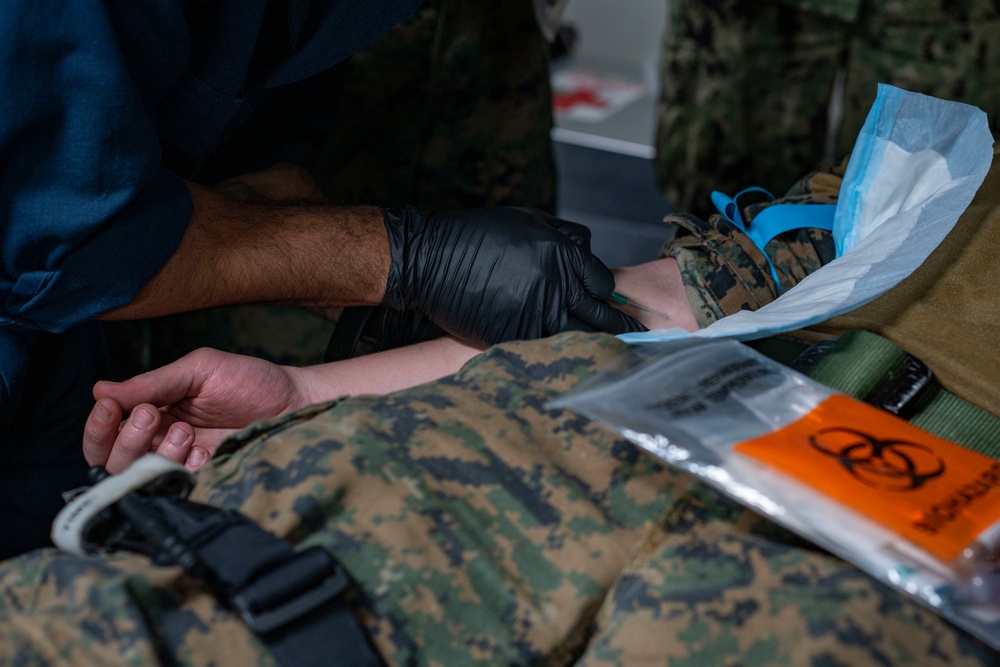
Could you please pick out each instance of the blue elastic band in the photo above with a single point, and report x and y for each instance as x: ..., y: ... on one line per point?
x: 774, y: 220
x: 730, y: 209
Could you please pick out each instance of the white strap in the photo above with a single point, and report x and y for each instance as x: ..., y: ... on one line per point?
x: 70, y: 522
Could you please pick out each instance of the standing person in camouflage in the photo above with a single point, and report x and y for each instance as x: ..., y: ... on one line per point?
x: 754, y: 92
x: 450, y: 109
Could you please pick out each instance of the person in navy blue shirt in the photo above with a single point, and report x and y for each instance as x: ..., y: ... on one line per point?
x: 116, y: 117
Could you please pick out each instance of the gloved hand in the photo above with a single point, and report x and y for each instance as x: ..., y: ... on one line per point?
x: 496, y: 274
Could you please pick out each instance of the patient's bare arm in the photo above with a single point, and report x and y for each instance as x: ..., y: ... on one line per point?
x: 658, y: 285
x: 185, y: 409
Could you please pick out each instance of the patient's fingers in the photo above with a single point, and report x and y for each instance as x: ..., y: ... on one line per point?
x: 114, y: 444
x: 162, y: 386
x: 196, y: 458
x: 134, y: 439
x: 100, y: 431
x: 177, y: 442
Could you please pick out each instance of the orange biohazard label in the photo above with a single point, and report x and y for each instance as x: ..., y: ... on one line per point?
x: 937, y: 494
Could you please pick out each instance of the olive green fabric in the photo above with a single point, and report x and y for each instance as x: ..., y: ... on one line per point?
x: 875, y: 370
x: 947, y: 313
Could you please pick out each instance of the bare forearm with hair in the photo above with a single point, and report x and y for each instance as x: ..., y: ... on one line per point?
x: 237, y: 251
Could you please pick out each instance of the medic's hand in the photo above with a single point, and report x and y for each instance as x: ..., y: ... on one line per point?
x: 496, y: 274
x: 185, y: 409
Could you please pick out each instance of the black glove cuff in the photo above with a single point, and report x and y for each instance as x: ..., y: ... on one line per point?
x: 400, y: 224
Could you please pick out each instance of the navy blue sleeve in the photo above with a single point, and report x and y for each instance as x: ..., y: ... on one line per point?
x: 87, y: 214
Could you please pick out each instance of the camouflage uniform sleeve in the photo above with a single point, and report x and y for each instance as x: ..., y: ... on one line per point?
x: 724, y: 272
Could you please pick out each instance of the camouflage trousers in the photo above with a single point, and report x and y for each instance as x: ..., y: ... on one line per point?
x: 757, y: 92
x: 483, y: 529
x: 450, y: 109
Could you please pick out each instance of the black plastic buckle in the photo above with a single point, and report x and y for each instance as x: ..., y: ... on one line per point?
x: 900, y: 395
x: 296, y: 587
x: 103, y: 517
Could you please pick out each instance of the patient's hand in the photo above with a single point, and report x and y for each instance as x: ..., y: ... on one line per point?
x: 185, y: 409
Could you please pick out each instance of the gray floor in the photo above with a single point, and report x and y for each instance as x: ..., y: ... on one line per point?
x: 616, y: 196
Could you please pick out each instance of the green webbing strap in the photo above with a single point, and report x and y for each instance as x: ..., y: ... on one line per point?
x: 863, y: 364
x: 859, y: 364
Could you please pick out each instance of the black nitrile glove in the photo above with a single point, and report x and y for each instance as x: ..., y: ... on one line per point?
x: 495, y: 274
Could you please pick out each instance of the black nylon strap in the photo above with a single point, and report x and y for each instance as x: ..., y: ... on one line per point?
x: 291, y: 600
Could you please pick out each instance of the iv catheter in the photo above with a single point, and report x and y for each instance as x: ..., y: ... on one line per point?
x: 619, y: 298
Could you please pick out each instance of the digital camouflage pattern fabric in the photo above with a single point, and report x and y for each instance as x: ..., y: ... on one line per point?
x: 717, y: 584
x: 724, y: 271
x: 483, y: 529
x: 451, y: 109
x: 758, y: 92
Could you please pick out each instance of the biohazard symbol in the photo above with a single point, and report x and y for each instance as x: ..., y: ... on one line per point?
x: 892, y: 465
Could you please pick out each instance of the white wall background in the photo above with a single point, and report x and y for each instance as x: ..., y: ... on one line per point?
x: 622, y: 32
